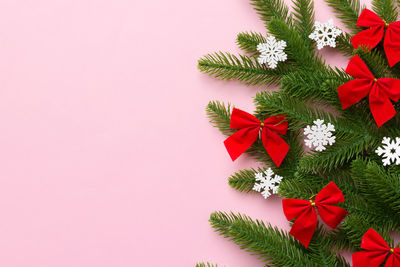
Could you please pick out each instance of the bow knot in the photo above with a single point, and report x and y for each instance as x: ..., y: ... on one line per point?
x: 375, y: 252
x: 371, y: 37
x: 249, y: 126
x: 306, y: 215
x: 380, y: 91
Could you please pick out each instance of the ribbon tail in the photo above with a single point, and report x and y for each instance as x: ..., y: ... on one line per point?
x: 240, y: 141
x: 304, y: 227
x: 368, y: 38
x: 392, y: 43
x: 275, y: 146
x: 381, y: 107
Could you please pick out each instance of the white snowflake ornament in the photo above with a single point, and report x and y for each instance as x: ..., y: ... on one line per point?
x: 390, y: 151
x: 325, y: 34
x: 319, y: 135
x: 271, y: 52
x: 267, y: 183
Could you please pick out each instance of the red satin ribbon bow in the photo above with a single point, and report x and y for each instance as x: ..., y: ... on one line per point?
x: 380, y: 91
x: 372, y: 36
x: 249, y: 128
x: 304, y: 210
x: 376, y: 251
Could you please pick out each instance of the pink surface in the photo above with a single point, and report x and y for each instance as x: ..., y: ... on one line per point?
x: 107, y: 157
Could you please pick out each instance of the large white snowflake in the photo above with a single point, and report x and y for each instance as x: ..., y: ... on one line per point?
x: 325, y: 34
x: 267, y: 183
x: 390, y: 151
x: 319, y: 135
x: 271, y: 52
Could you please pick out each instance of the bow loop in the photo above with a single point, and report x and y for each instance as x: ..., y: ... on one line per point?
x: 376, y: 250
x: 380, y: 91
x: 372, y: 36
x: 305, y: 211
x: 248, y: 130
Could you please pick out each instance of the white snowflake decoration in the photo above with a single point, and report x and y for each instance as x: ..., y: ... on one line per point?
x: 325, y: 34
x: 390, y: 151
x: 267, y: 183
x: 271, y: 52
x: 319, y: 135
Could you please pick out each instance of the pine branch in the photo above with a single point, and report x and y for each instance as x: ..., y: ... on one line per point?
x: 226, y: 66
x: 386, y: 9
x: 248, y: 42
x: 303, y: 13
x: 348, y: 11
x: 268, y: 9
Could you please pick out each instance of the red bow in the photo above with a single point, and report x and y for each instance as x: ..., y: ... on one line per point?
x: 376, y: 251
x: 304, y: 210
x: 372, y: 36
x: 249, y: 128
x: 380, y: 91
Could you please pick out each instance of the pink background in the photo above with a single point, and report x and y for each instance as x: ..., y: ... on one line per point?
x: 107, y: 157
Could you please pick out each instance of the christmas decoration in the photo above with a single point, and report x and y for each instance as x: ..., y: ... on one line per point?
x: 319, y: 135
x: 371, y: 37
x: 325, y: 34
x: 267, y: 183
x: 375, y: 252
x: 249, y: 128
x: 380, y: 91
x: 306, y: 216
x: 361, y: 103
x: 271, y: 52
x: 390, y: 151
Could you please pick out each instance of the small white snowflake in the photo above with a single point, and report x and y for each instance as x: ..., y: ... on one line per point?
x: 267, y: 183
x: 390, y: 151
x: 271, y: 52
x: 319, y: 135
x: 325, y: 34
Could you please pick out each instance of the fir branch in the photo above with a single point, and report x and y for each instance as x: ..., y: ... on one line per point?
x: 348, y: 11
x: 343, y: 44
x: 248, y: 42
x: 268, y: 9
x: 243, y: 181
x: 207, y: 264
x: 220, y: 116
x: 303, y: 13
x: 341, y: 153
x: 296, y: 49
x: 269, y: 243
x: 226, y: 66
x: 386, y: 9
x: 314, y: 86
x: 380, y: 188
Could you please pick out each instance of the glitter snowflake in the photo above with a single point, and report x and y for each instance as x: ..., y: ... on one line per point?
x: 319, y: 135
x: 325, y: 34
x: 271, y: 52
x: 390, y: 151
x: 267, y: 183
